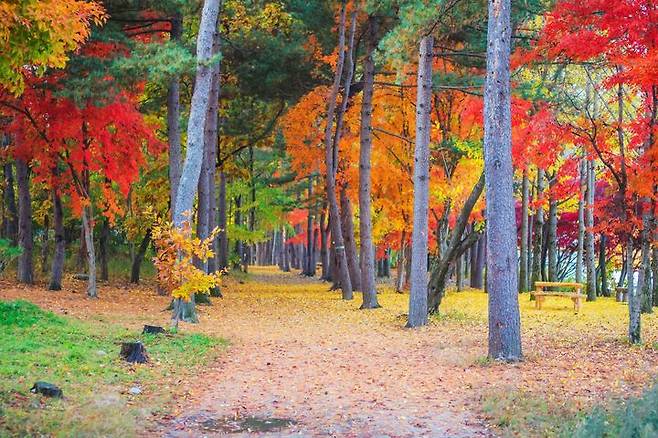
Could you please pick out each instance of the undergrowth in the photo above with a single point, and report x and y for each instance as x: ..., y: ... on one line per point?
x: 82, y: 358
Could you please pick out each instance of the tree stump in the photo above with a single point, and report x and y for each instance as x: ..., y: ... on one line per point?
x: 134, y: 352
x: 47, y: 389
x: 153, y: 330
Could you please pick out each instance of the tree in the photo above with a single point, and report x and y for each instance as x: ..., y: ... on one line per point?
x: 195, y: 131
x: 504, y: 318
x: 418, y: 291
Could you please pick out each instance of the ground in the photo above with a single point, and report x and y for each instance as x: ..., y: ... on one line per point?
x: 298, y: 352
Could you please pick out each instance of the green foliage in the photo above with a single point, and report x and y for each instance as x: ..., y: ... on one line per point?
x: 8, y: 252
x: 634, y: 418
x: 83, y: 359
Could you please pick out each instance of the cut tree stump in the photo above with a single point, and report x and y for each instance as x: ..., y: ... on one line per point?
x: 134, y: 352
x: 153, y: 330
x: 47, y: 389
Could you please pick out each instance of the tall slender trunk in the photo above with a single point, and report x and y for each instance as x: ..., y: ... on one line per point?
x: 523, y: 262
x: 580, y: 251
x: 25, y: 235
x: 347, y: 224
x: 195, y: 130
x: 401, y: 276
x: 654, y: 274
x: 324, y: 253
x: 367, y: 249
x: 502, y: 282
x: 537, y: 244
x: 477, y: 270
x: 239, y: 249
x: 139, y: 258
x: 605, y: 290
x: 459, y: 273
x: 418, y: 298
x: 222, y: 237
x: 88, y: 229
x: 10, y: 218
x: 590, y: 249
x: 634, y: 298
x: 60, y: 244
x: 173, y: 119
x: 308, y: 268
x: 103, y: 249
x: 551, y: 242
x: 329, y: 144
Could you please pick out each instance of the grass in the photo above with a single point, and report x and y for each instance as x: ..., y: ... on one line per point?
x: 82, y: 358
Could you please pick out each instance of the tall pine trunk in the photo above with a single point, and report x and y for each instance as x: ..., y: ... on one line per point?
x: 502, y: 287
x: 580, y: 251
x: 419, y: 287
x: 60, y: 244
x: 367, y: 249
x: 104, y: 241
x: 538, y: 230
x: 88, y: 230
x: 523, y: 262
x: 634, y: 298
x: 222, y: 236
x: 551, y: 242
x: 25, y: 234
x: 173, y: 119
x: 195, y: 130
x: 338, y: 244
x: 347, y: 224
x: 590, y: 250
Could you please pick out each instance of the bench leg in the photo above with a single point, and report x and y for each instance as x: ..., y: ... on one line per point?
x: 576, y: 304
x: 538, y: 302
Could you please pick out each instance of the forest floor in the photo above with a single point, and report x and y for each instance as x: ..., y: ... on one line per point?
x: 299, y: 354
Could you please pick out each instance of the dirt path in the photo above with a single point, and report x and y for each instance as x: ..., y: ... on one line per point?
x: 298, y: 352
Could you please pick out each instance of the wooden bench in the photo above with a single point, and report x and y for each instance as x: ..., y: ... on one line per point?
x: 541, y: 293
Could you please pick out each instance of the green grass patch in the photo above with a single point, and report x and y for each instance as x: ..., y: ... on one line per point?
x: 519, y: 414
x: 82, y: 358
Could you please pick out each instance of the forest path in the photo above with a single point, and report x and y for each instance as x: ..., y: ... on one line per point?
x: 299, y: 352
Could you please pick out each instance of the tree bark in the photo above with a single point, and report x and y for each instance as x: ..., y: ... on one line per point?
x: 309, y: 269
x: 45, y: 250
x: 173, y: 120
x: 401, y: 263
x: 367, y: 249
x: 88, y: 229
x: 537, y: 244
x: 605, y: 290
x: 502, y: 287
x: 590, y: 249
x: 139, y: 258
x: 551, y: 242
x: 347, y: 224
x: 523, y: 262
x: 342, y: 269
x: 25, y: 234
x: 60, y: 244
x: 195, y: 129
x: 418, y: 306
x: 580, y: 252
x: 324, y: 253
x: 634, y: 299
x: 222, y: 236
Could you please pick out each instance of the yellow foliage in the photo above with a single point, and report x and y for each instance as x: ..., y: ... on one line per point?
x: 177, y: 249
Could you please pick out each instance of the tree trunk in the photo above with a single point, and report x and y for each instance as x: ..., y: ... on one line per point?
x: 25, y: 235
x: 239, y: 249
x: 88, y: 229
x: 401, y: 263
x: 309, y: 270
x: 418, y: 307
x: 10, y: 219
x: 367, y: 249
x: 103, y: 249
x: 551, y: 242
x: 523, y: 263
x: 605, y: 290
x: 60, y: 244
x: 173, y: 119
x: 139, y: 258
x: 459, y: 273
x: 477, y: 270
x: 537, y: 244
x: 590, y: 249
x: 324, y: 253
x: 195, y: 130
x: 347, y: 224
x: 342, y: 269
x: 581, y: 221
x: 222, y: 237
x: 634, y: 299
x: 654, y: 274
x: 502, y: 287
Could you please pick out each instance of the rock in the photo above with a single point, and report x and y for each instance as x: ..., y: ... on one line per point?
x: 153, y: 330
x: 134, y: 352
x: 101, y: 353
x: 47, y: 389
x: 135, y: 390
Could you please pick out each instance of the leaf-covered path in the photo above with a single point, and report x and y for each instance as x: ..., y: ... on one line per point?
x: 299, y: 352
